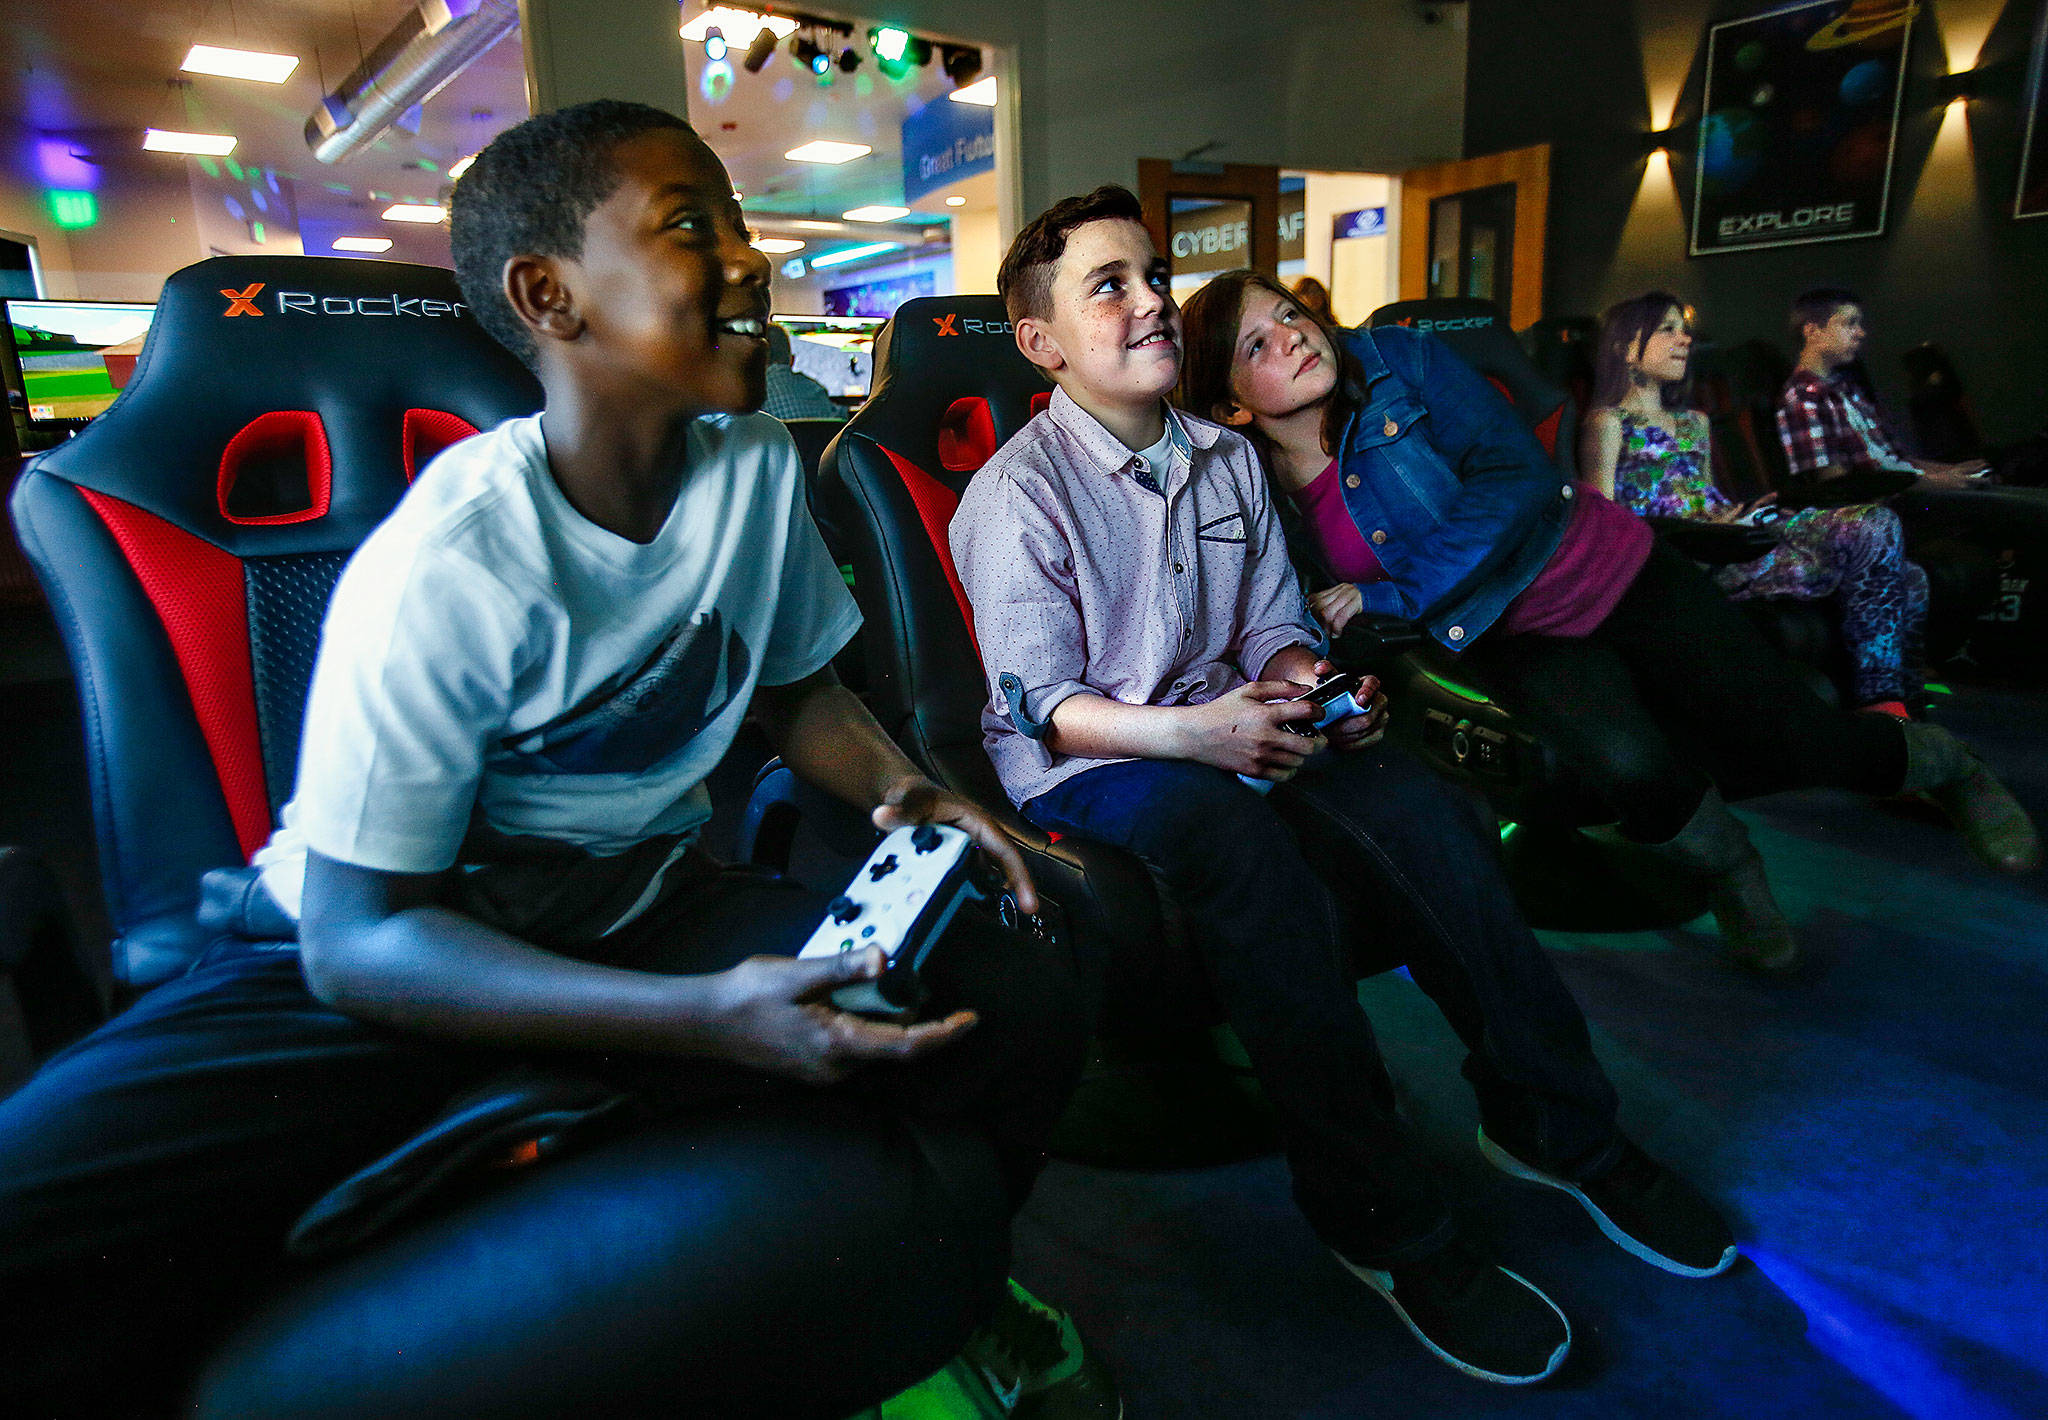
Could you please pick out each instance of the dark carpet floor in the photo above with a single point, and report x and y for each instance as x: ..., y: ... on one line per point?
x: 1877, y: 1132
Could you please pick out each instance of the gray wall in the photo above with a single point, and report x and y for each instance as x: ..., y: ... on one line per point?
x: 1585, y: 75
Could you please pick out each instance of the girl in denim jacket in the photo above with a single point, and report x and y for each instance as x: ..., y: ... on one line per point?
x: 1422, y: 495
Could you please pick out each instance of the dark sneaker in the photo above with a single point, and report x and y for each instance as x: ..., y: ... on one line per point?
x: 1643, y: 1206
x: 1031, y: 1359
x: 1490, y: 1323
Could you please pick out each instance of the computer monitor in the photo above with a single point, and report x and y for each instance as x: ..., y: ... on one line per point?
x: 73, y: 357
x: 836, y: 351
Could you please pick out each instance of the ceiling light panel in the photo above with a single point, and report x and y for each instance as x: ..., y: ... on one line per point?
x: 414, y: 212
x: 861, y: 253
x: 362, y: 244
x: 738, y: 26
x: 981, y: 91
x: 875, y: 214
x: 164, y: 140
x: 823, y: 150
x: 239, y: 64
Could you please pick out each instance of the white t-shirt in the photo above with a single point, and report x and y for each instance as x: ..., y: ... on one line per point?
x: 488, y: 648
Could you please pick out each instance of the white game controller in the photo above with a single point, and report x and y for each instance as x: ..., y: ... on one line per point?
x: 1337, y: 696
x: 901, y: 900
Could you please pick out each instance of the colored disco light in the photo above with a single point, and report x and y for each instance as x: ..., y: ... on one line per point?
x: 889, y: 44
x: 714, y: 44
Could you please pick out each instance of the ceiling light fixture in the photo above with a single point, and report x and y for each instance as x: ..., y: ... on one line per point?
x: 956, y: 202
x: 362, y: 244
x: 776, y: 246
x: 809, y: 226
x: 824, y: 150
x: 163, y: 140
x: 981, y: 91
x: 809, y: 53
x: 239, y: 63
x: 760, y: 51
x: 846, y: 254
x: 414, y: 212
x: 460, y: 166
x: 889, y: 45
x: 714, y: 44
x: 875, y: 212
x: 961, y: 63
x: 737, y: 26
x: 849, y: 60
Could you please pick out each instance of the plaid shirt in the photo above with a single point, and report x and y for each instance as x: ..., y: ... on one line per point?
x: 1823, y: 420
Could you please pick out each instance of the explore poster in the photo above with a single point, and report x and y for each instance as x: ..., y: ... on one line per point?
x: 1800, y: 117
x: 2031, y: 196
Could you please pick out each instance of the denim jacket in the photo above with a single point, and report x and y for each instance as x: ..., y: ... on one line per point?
x: 1448, y: 486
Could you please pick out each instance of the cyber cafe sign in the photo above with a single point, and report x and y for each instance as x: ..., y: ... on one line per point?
x: 1217, y: 237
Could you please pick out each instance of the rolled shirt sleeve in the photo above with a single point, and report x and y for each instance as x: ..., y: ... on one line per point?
x: 1016, y: 565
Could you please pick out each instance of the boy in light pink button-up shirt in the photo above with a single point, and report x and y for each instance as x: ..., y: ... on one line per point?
x: 1140, y: 625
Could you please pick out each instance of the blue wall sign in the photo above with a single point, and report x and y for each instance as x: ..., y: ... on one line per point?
x: 1365, y: 222
x: 944, y: 142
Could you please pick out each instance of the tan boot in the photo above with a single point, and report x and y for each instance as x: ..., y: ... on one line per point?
x: 1715, y: 846
x: 1989, y: 818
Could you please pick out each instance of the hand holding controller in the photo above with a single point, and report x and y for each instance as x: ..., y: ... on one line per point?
x: 1338, y: 699
x: 901, y: 900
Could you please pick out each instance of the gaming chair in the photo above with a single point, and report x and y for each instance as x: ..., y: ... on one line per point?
x: 949, y: 388
x: 188, y: 541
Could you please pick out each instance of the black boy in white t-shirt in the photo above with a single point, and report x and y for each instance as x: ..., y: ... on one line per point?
x: 524, y: 676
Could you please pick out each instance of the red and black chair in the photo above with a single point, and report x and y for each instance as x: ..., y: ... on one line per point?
x: 188, y: 541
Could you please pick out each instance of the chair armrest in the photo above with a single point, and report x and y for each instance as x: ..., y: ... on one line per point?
x: 1866, y: 485
x: 778, y: 802
x: 1370, y: 639
x: 1716, y: 544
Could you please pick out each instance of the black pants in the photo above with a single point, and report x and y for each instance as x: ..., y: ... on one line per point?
x: 1362, y: 856
x: 1673, y: 667
x: 149, y: 1174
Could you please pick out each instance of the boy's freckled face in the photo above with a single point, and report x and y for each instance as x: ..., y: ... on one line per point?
x: 672, y: 295
x: 1113, y: 313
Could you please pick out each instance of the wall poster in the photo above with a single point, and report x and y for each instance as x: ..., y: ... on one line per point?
x: 2030, y: 198
x: 1801, y: 114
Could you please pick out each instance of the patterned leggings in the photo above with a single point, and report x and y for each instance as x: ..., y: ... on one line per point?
x: 1858, y: 556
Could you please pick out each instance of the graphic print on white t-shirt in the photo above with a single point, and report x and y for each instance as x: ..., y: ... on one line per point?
x: 649, y: 714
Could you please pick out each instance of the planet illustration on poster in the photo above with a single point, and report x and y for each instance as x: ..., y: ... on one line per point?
x: 1862, y: 22
x: 1732, y: 145
x: 1859, y: 158
x: 1864, y: 84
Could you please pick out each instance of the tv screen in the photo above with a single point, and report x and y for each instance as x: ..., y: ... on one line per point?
x: 74, y: 356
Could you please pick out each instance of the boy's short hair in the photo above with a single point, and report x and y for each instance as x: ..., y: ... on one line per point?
x: 1818, y: 307
x: 1025, y: 280
x: 530, y: 192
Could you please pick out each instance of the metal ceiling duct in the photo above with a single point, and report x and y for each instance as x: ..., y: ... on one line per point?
x: 426, y: 49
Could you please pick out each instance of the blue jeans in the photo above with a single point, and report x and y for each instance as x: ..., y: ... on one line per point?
x: 1362, y: 855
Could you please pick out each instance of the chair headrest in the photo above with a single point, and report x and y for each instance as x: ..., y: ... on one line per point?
x: 950, y: 385
x: 1479, y: 334
x: 352, y: 372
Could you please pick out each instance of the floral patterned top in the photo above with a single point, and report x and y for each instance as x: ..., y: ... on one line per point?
x: 1662, y: 474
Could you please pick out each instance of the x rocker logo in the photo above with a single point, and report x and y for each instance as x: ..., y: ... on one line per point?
x: 971, y: 327
x: 243, y: 303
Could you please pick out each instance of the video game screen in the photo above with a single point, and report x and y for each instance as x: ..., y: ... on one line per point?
x: 74, y: 356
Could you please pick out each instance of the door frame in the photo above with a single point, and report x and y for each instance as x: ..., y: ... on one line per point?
x: 1529, y: 170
